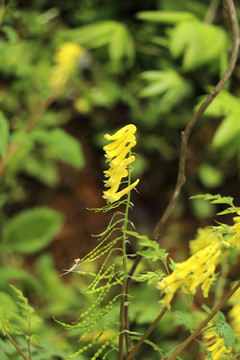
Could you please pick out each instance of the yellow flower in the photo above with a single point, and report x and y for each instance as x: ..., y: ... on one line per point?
x: 65, y: 60
x: 235, y: 240
x: 119, y: 158
x: 197, y: 270
x: 234, y: 313
x: 215, y: 344
x: 204, y: 238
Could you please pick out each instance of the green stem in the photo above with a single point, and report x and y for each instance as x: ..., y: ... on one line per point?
x: 124, y: 301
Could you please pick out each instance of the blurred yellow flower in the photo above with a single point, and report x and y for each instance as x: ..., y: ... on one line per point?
x: 235, y: 240
x: 65, y: 60
x: 82, y: 105
x: 119, y: 158
x: 197, y: 270
x: 234, y: 313
x: 215, y: 344
x: 204, y: 238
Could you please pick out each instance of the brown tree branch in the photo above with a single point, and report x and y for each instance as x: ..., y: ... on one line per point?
x: 204, y: 323
x: 2, y: 8
x: 146, y: 334
x: 16, y: 346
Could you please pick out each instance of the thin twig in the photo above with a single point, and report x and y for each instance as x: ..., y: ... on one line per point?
x: 2, y: 8
x: 16, y: 346
x: 204, y: 322
x: 147, y: 333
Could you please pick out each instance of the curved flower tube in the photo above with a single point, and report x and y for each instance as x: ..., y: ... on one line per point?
x: 118, y: 154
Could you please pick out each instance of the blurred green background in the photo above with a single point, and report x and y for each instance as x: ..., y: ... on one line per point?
x: 147, y: 62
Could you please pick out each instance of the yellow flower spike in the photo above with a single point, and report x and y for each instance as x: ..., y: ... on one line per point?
x: 118, y: 154
x: 65, y: 60
x: 110, y: 154
x: 235, y: 240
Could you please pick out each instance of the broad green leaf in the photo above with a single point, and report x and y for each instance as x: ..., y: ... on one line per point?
x: 111, y: 33
x: 92, y: 36
x: 60, y: 146
x: 200, y: 44
x: 168, y: 84
x: 31, y: 230
x: 121, y: 46
x: 228, y: 132
x: 165, y: 17
x: 4, y: 134
x: 8, y: 274
x: 42, y: 169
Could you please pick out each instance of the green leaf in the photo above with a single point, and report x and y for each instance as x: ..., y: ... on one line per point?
x: 60, y: 146
x: 210, y: 176
x: 165, y: 17
x: 154, y: 252
x: 11, y: 33
x: 5, y: 324
x: 168, y: 84
x: 207, y: 309
x: 182, y: 317
x: 225, y: 331
x: 218, y: 199
x: 4, y: 134
x: 93, y: 35
x: 31, y: 230
x: 149, y: 254
x: 42, y: 169
x: 200, y: 44
x: 111, y: 33
x: 121, y: 45
x: 228, y: 132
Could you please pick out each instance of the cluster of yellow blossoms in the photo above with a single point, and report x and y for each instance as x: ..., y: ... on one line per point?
x: 235, y: 240
x: 65, y: 60
x: 215, y: 344
x: 234, y: 313
x: 118, y: 154
x: 199, y: 269
x: 205, y: 237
